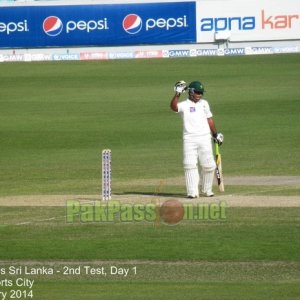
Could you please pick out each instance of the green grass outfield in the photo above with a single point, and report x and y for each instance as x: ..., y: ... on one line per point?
x: 56, y: 117
x: 252, y: 254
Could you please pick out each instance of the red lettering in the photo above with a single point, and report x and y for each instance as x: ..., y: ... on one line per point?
x: 264, y: 21
x: 277, y: 22
x: 290, y: 19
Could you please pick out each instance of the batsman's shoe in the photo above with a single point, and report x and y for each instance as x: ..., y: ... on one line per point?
x: 192, y: 196
x: 207, y: 194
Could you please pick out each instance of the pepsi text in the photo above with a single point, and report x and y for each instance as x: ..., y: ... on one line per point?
x: 166, y: 23
x: 87, y: 26
x: 11, y: 27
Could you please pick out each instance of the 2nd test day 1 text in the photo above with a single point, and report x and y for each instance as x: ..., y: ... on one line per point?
x: 67, y: 270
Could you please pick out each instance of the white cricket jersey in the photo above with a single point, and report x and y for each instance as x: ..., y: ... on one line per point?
x: 194, y: 116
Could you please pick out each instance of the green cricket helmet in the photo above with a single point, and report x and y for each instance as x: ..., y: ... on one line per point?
x: 196, y: 86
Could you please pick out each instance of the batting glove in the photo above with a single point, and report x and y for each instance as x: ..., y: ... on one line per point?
x: 218, y: 138
x: 180, y: 87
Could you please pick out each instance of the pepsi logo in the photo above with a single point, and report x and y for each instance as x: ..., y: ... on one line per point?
x: 132, y: 24
x: 52, y: 26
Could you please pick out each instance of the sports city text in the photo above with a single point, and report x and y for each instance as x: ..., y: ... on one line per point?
x: 115, y: 211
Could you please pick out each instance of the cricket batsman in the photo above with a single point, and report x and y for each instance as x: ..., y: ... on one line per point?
x: 198, y: 130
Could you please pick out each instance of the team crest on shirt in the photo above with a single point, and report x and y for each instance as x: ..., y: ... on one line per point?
x: 192, y: 109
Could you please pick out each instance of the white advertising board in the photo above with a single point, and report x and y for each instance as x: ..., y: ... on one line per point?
x: 248, y: 20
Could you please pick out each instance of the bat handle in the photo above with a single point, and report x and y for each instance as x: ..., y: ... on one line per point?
x: 217, y: 152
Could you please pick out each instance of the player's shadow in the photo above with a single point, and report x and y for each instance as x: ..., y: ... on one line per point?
x: 153, y: 194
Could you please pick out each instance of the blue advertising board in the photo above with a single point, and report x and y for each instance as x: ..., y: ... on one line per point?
x: 97, y: 25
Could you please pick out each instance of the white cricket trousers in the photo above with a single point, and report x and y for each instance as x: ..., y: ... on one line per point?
x: 198, y: 150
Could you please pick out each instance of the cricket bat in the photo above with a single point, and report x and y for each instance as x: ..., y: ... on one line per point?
x: 219, y: 174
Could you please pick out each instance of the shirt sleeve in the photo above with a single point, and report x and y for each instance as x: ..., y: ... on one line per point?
x: 180, y: 107
x: 207, y: 111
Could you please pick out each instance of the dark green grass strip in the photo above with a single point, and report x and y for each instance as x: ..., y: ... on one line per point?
x: 246, y: 234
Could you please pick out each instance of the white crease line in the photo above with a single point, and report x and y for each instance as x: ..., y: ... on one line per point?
x: 38, y: 221
x: 42, y: 220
